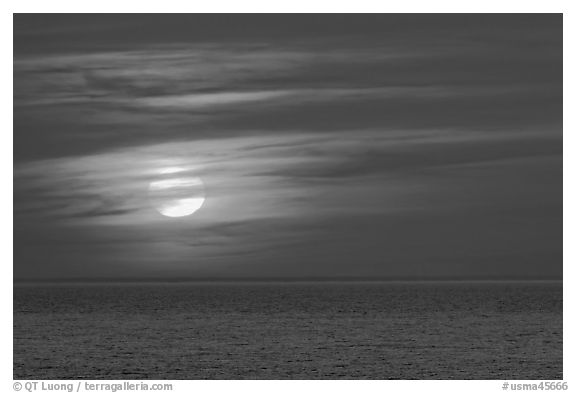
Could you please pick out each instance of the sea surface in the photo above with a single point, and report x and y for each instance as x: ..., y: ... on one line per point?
x: 432, y: 330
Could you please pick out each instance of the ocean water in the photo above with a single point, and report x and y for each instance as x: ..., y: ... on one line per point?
x: 289, y: 331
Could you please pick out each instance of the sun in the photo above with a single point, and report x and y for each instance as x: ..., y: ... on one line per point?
x: 175, y: 195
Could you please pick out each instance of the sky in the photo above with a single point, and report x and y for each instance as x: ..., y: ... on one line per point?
x: 376, y: 146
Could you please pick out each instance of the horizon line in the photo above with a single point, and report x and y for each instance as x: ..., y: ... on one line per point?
x: 215, y: 280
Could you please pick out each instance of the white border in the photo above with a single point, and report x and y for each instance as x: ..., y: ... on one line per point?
x: 300, y: 6
x: 294, y: 6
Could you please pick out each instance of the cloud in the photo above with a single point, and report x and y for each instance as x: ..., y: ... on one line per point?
x: 249, y: 178
x: 108, y: 98
x: 387, y: 137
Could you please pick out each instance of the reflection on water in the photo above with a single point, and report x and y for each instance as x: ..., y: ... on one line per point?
x: 289, y: 331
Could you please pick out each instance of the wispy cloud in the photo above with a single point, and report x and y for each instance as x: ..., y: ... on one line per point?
x: 251, y: 178
x: 422, y: 138
x: 95, y: 101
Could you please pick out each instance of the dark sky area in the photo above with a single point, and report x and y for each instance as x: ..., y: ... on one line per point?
x: 330, y: 146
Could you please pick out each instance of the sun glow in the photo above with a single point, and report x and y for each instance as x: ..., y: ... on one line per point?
x: 181, y: 207
x: 173, y: 183
x: 171, y: 170
x: 176, y: 196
